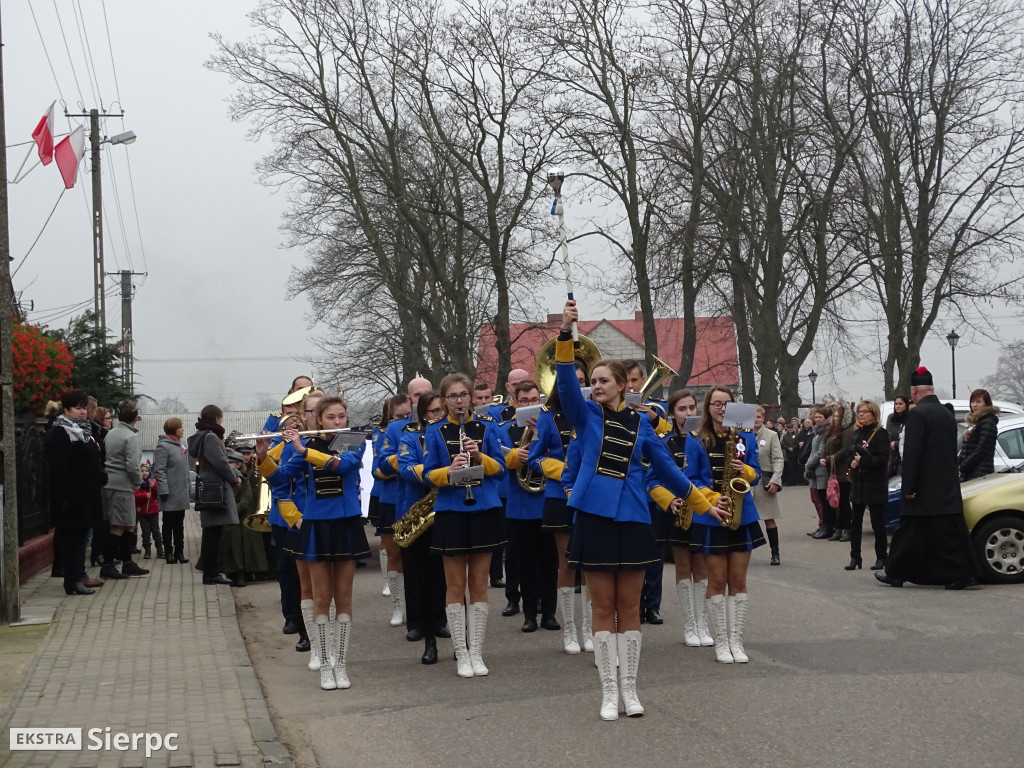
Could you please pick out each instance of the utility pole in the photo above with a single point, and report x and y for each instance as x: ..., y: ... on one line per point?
x: 10, y: 602
x: 127, y: 339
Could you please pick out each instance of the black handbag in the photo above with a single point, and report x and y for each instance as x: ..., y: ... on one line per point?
x: 209, y: 495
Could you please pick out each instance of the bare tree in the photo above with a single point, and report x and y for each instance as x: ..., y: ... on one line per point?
x: 1007, y: 383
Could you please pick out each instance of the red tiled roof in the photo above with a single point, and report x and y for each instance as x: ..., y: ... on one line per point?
x: 714, y: 359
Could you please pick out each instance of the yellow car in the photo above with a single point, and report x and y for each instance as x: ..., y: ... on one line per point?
x: 994, y: 511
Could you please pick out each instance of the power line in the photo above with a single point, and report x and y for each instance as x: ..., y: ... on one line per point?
x: 83, y: 40
x: 23, y: 258
x: 67, y: 48
x: 110, y: 47
x: 258, y: 359
x: 47, y: 53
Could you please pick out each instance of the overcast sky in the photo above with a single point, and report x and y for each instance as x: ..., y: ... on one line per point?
x: 211, y: 319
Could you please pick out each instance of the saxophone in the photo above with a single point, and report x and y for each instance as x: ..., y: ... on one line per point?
x: 416, y: 521
x: 684, y: 515
x: 525, y: 476
x: 734, y: 487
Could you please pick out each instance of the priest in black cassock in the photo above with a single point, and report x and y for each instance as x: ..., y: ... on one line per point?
x: 932, y: 544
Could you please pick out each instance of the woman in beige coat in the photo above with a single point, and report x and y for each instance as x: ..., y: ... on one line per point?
x: 766, y: 493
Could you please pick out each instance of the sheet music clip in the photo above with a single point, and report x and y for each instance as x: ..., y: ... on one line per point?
x: 481, y: 410
x: 347, y: 441
x: 525, y: 413
x: 467, y: 475
x: 740, y: 416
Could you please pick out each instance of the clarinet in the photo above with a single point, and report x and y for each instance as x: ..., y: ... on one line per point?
x: 469, y: 501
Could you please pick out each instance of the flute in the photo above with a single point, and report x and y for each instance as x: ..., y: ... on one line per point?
x: 246, y: 438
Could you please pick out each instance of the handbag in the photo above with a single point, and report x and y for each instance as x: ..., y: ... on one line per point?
x: 832, y: 489
x: 209, y: 495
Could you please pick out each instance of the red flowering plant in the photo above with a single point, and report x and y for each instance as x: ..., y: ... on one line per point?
x: 42, y: 367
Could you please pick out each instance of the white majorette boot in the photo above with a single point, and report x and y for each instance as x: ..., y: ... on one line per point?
x: 700, y: 607
x: 588, y: 620
x: 605, y: 653
x: 457, y: 627
x: 567, y: 599
x: 396, y: 588
x: 386, y: 591
x: 477, y: 629
x: 717, y: 625
x: 342, y: 634
x: 326, y: 672
x: 684, y: 589
x: 629, y: 662
x: 736, y: 608
x: 306, y: 606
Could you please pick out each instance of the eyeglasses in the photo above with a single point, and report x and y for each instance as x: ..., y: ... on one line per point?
x: 455, y: 397
x: 718, y: 404
x: 528, y: 401
x: 435, y: 412
x: 863, y: 411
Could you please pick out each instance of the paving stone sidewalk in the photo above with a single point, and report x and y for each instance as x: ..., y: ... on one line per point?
x: 154, y: 654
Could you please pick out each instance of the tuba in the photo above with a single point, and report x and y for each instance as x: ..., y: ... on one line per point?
x: 734, y: 488
x: 659, y: 373
x: 257, y: 521
x: 416, y: 521
x: 528, y: 480
x: 544, y: 371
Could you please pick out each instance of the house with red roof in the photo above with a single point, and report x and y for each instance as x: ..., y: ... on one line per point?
x: 715, y: 358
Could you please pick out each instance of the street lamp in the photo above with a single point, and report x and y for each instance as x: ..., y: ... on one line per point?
x: 953, y: 338
x: 813, y: 377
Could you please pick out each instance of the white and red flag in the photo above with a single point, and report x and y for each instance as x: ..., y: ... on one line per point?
x: 69, y: 155
x: 43, y: 136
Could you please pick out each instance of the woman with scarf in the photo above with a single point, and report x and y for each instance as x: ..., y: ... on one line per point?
x: 817, y: 475
x: 894, y: 427
x: 836, y: 455
x: 207, y: 445
x: 870, y: 484
x: 75, y: 478
x: 977, y: 455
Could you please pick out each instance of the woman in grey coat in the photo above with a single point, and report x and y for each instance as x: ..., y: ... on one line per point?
x: 170, y: 470
x: 817, y: 475
x: 123, y: 449
x: 207, y: 445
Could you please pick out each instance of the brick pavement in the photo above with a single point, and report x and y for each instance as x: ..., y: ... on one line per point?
x: 154, y: 654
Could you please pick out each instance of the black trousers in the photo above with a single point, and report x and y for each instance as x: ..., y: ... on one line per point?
x: 538, y: 565
x: 877, y: 526
x: 425, y: 588
x: 843, y: 513
x: 72, y: 553
x: 287, y: 578
x: 174, y: 533
x: 209, y: 549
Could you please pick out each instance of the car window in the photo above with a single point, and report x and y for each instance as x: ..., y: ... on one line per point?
x: 1012, y: 443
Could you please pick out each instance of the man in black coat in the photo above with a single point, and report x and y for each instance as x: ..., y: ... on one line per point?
x: 931, y: 545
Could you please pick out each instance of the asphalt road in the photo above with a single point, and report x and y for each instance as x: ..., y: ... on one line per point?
x: 843, y: 672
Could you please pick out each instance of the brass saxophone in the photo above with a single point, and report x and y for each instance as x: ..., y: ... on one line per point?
x: 526, y: 477
x: 734, y: 487
x: 684, y: 515
x: 416, y: 521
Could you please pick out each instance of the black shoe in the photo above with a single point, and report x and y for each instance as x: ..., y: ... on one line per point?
x: 171, y: 561
x: 836, y: 534
x: 147, y: 554
x: 886, y: 579
x: 290, y: 627
x: 845, y: 535
x: 160, y: 555
x: 79, y: 589
x: 181, y: 559
x: 855, y: 564
x: 111, y: 572
x: 530, y: 624
x: 548, y: 621
x: 443, y: 632
x: 961, y: 583
x: 775, y: 558
x: 814, y: 534
x: 414, y: 635
x: 497, y: 583
x: 879, y: 564
x: 429, y: 651
x: 303, y: 644
x: 511, y: 609
x: 96, y: 560
x: 822, y: 533
x: 237, y: 579
x: 218, y: 579
x: 654, y: 616
x: 131, y: 568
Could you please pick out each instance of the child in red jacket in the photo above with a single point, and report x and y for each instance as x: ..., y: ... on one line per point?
x: 147, y: 512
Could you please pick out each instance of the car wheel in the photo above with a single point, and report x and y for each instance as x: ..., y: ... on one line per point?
x: 1000, y: 547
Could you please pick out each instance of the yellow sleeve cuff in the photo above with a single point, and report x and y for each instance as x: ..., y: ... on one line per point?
x: 512, y: 459
x: 564, y: 351
x: 418, y: 470
x: 698, y: 500
x: 749, y: 474
x: 663, y: 427
x: 276, y: 451
x: 268, y: 467
x: 317, y: 459
x: 289, y: 512
x: 438, y: 477
x: 491, y: 467
x: 663, y: 497
x: 393, y: 461
x: 552, y: 468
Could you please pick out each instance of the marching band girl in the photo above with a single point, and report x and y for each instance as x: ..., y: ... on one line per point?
x: 727, y: 552
x: 374, y: 509
x: 691, y: 569
x: 386, y: 469
x: 468, y: 519
x: 424, y: 574
x: 612, y: 539
x: 329, y: 535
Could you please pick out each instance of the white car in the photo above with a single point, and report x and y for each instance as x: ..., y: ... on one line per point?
x: 962, y: 407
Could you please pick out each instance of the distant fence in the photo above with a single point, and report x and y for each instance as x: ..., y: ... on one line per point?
x: 31, y: 467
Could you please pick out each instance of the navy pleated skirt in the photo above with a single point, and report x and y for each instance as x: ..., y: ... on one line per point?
x: 468, y: 533
x: 557, y: 516
x: 719, y: 540
x: 385, y: 518
x: 601, y: 544
x: 339, y: 538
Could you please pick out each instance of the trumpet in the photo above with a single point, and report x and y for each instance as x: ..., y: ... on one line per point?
x: 303, y: 433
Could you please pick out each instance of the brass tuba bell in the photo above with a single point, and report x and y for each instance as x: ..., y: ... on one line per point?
x: 544, y: 371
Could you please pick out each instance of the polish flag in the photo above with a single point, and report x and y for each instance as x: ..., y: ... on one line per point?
x: 43, y: 136
x: 69, y: 154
